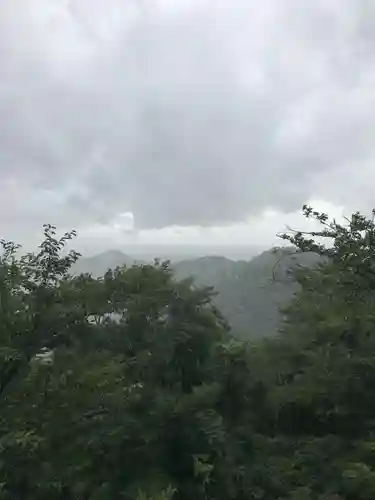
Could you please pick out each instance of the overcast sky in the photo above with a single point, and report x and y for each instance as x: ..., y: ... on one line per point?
x: 201, y: 121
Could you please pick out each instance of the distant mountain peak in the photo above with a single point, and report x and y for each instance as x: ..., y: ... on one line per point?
x: 111, y: 254
x: 99, y: 264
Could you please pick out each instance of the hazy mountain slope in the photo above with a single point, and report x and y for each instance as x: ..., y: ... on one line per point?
x: 249, y: 293
x: 99, y: 264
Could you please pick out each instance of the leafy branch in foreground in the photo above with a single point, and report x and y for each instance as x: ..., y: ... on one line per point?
x: 28, y: 298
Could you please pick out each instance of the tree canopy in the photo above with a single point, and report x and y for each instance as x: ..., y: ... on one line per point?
x: 131, y: 385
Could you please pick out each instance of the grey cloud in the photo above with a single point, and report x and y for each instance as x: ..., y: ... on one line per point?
x: 167, y: 119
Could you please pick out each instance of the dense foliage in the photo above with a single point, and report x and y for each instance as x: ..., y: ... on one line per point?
x: 130, y: 386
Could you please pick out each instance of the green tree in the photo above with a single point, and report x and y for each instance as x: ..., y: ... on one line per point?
x: 322, y: 393
x: 126, y: 404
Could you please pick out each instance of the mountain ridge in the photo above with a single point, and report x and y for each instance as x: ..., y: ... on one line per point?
x: 249, y: 293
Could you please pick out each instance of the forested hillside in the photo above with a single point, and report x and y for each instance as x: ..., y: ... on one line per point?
x: 162, y: 403
x: 248, y: 293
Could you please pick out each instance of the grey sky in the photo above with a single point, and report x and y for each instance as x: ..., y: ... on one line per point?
x: 184, y: 113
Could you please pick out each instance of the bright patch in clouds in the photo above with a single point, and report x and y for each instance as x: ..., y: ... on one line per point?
x: 257, y: 231
x: 124, y: 222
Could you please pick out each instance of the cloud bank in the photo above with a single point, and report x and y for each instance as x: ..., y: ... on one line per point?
x: 199, y: 114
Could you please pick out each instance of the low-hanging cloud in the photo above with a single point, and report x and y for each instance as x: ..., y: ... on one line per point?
x: 198, y: 115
